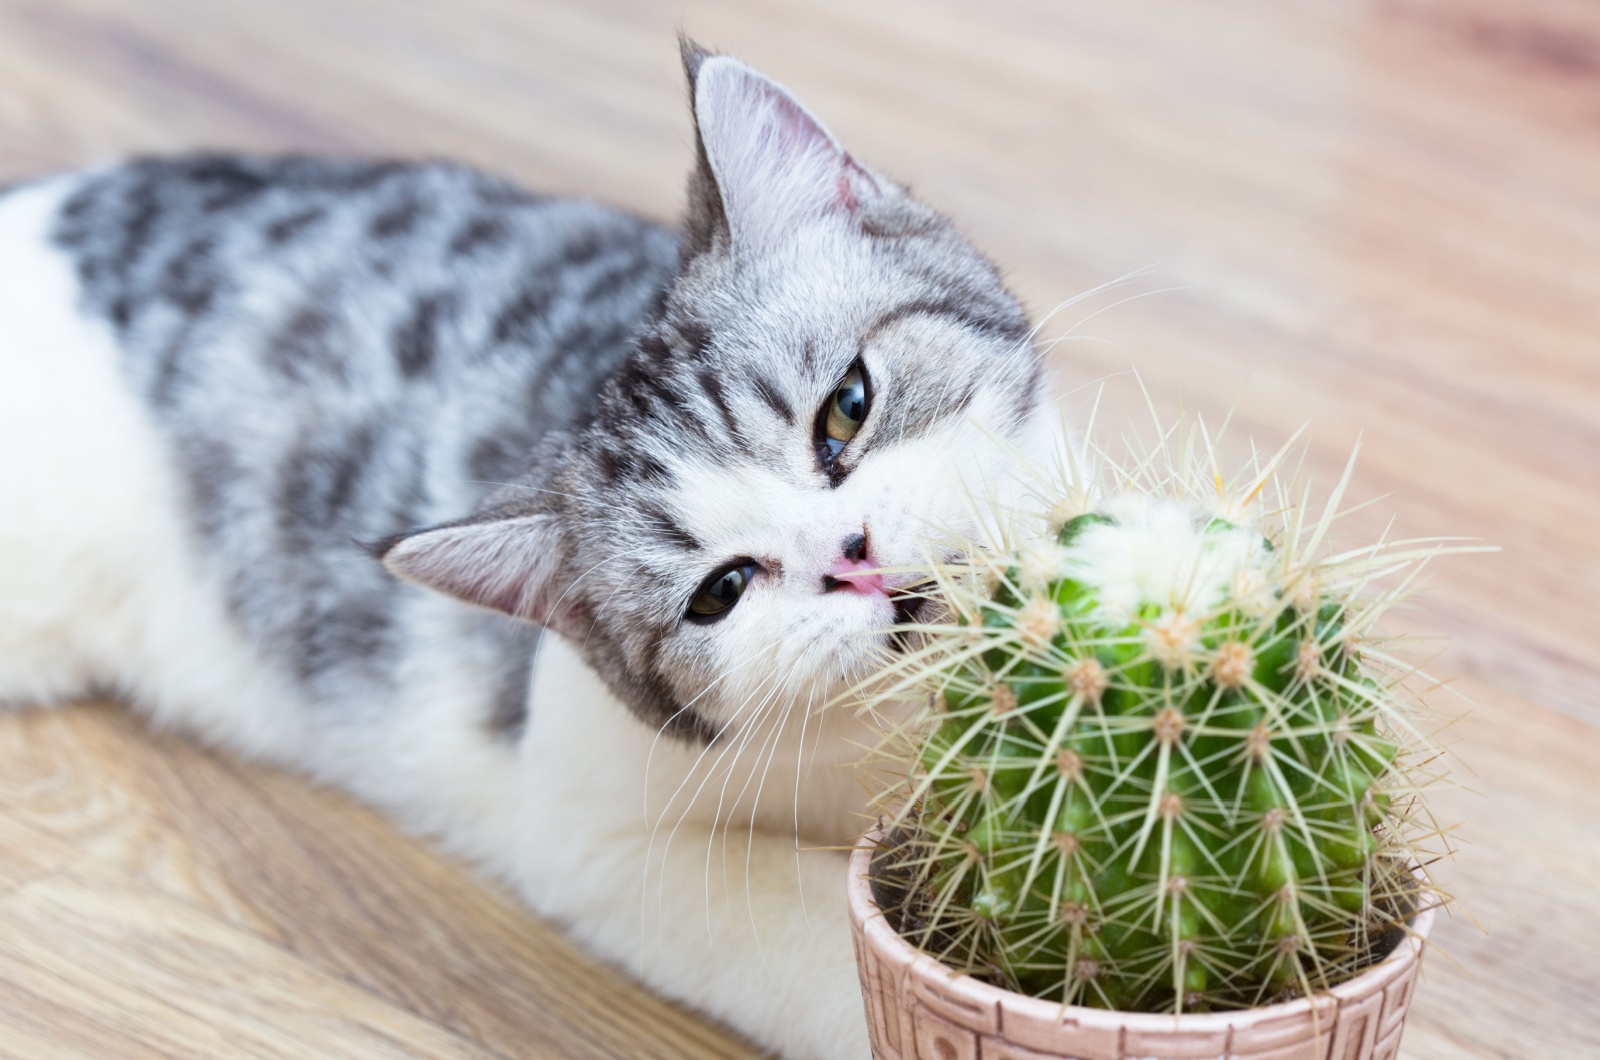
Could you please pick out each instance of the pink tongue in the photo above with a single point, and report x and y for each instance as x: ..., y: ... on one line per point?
x: 848, y: 571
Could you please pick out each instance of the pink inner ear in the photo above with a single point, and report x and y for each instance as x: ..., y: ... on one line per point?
x: 796, y: 131
x: 799, y: 133
x: 775, y: 165
x: 512, y: 598
x: 530, y: 601
x: 849, y: 177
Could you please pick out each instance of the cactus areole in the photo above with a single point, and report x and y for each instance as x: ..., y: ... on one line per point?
x: 1158, y: 773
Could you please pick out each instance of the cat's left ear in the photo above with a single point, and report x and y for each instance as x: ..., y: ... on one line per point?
x: 505, y: 563
x: 766, y: 165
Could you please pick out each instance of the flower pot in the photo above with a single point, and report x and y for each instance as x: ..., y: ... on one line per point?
x: 917, y: 1009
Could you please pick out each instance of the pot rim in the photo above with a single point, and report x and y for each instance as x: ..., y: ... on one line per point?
x: 874, y: 925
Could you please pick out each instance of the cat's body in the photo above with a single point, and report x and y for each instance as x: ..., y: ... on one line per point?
x: 228, y: 387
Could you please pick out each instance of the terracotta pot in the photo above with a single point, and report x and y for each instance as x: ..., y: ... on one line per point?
x: 917, y: 1009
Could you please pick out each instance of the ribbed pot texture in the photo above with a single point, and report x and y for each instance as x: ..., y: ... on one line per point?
x: 917, y: 1009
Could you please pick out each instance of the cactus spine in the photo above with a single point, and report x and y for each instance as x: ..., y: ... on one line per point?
x: 1165, y: 764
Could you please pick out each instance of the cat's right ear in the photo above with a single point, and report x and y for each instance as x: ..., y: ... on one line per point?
x: 505, y: 563
x: 764, y: 164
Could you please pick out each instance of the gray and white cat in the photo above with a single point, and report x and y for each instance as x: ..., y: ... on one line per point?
x: 233, y: 389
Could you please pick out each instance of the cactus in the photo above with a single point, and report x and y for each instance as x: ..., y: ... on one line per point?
x: 1164, y: 763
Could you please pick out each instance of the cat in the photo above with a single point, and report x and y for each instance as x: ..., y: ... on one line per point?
x: 552, y: 531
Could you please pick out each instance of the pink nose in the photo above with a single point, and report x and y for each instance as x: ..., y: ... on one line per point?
x: 846, y: 574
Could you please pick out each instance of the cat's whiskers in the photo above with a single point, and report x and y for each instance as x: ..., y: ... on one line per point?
x: 556, y: 607
x: 774, y: 741
x: 661, y: 731
x: 755, y: 804
x: 689, y: 775
x: 655, y: 828
x: 773, y: 686
x: 776, y: 702
x: 1110, y: 285
x: 799, y: 771
x: 770, y: 706
x: 1036, y: 353
x: 1131, y: 298
x: 594, y: 620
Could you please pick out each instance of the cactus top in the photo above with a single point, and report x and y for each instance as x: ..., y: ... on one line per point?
x: 1144, y: 551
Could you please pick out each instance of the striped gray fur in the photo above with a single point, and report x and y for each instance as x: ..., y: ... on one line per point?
x: 345, y: 353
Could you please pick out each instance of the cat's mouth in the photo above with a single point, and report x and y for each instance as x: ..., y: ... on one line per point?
x: 910, y: 605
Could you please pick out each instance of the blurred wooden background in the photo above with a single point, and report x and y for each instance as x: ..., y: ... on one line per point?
x: 1380, y: 217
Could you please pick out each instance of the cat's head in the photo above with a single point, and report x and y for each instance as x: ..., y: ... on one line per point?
x: 834, y: 373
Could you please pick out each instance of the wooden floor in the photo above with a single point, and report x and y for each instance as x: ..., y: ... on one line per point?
x: 1381, y: 217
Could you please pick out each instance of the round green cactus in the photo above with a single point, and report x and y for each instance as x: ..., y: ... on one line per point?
x: 1163, y: 766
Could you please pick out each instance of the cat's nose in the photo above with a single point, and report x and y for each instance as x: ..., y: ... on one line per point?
x: 855, y: 575
x: 853, y: 570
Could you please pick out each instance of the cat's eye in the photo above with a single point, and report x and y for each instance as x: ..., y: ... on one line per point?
x: 843, y: 413
x: 718, y: 593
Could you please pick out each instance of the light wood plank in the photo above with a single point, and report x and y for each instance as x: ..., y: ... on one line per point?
x: 327, y: 881
x: 1384, y: 218
x: 103, y: 970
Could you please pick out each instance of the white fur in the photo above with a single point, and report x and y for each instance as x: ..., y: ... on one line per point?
x: 695, y: 881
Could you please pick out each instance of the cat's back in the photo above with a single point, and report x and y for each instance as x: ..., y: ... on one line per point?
x: 283, y: 313
x: 275, y: 359
x: 315, y: 280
